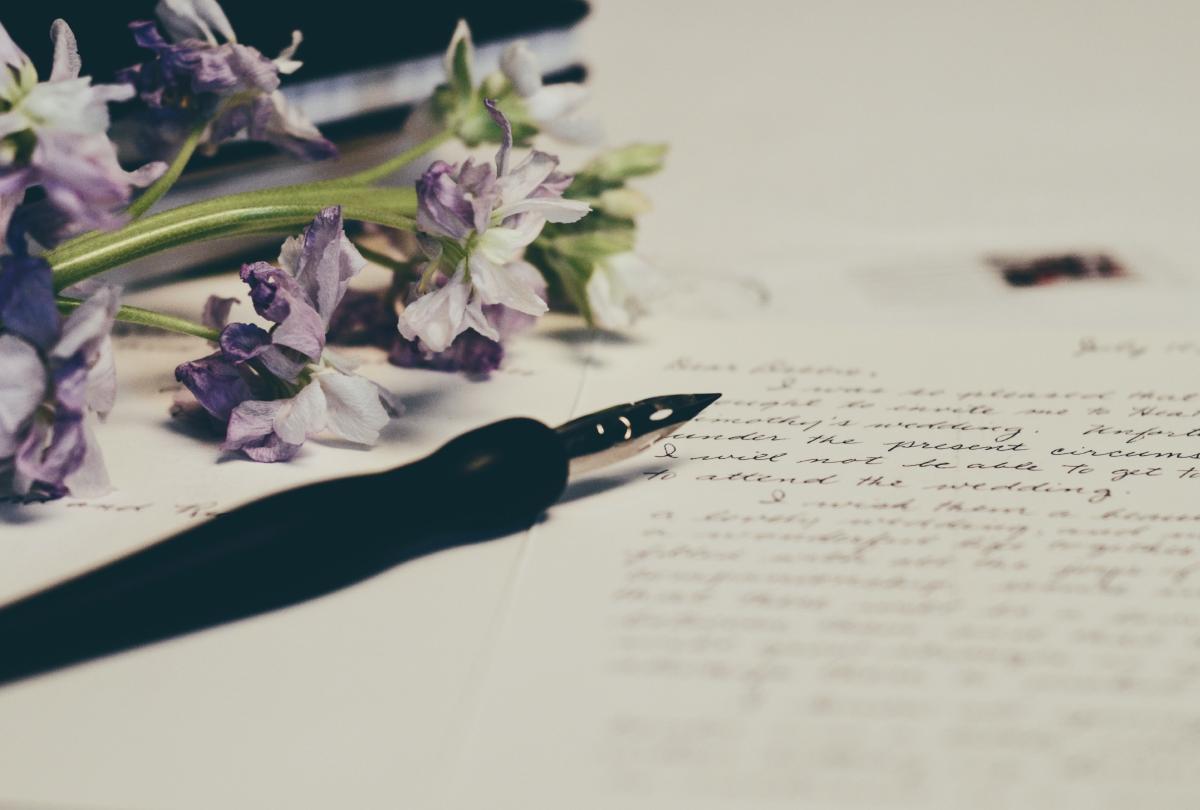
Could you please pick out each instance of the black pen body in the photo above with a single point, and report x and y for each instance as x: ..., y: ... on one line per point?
x: 287, y: 548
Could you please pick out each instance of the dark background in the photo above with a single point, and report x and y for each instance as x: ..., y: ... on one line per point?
x: 339, y: 36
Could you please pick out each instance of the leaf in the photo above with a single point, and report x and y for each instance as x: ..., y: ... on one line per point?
x: 572, y: 275
x: 459, y: 57
x: 622, y: 163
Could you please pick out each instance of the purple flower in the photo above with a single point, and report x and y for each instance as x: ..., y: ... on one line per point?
x: 364, y: 318
x: 50, y: 380
x: 470, y: 352
x: 476, y: 223
x: 274, y: 389
x: 53, y: 135
x: 369, y: 319
x: 200, y: 71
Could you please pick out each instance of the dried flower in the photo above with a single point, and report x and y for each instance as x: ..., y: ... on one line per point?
x: 53, y: 374
x: 53, y: 135
x: 595, y: 263
x: 200, y: 72
x: 477, y: 222
x: 276, y: 388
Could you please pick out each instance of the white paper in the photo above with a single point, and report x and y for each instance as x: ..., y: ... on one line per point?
x: 872, y: 575
x: 344, y: 701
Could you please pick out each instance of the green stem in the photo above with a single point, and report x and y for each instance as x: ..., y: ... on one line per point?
x: 238, y: 214
x: 377, y: 173
x: 146, y: 317
x: 360, y: 181
x: 163, y: 184
x: 382, y: 259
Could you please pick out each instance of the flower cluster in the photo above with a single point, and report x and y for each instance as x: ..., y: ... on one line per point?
x: 490, y: 238
x: 480, y: 251
x: 54, y: 373
x: 476, y: 221
x: 275, y: 388
x: 201, y: 75
x: 53, y: 134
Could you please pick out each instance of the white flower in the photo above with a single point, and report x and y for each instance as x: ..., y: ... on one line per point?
x: 554, y: 107
x: 621, y: 287
x: 437, y: 318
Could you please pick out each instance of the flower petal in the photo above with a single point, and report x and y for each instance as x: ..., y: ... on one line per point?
x: 503, y: 245
x: 556, y: 101
x: 436, y: 318
x: 216, y: 311
x: 552, y: 209
x: 442, y: 205
x: 252, y: 431
x: 22, y: 388
x: 27, y: 305
x: 51, y: 452
x: 286, y: 61
x: 10, y: 54
x: 194, y: 19
x: 243, y: 341
x: 301, y: 416
x: 353, y: 407
x: 527, y: 176
x: 499, y: 285
x: 520, y: 66
x: 88, y: 326
x: 90, y: 479
x: 323, y: 262
x: 102, y: 380
x: 284, y: 125
x: 508, y: 322
x: 620, y: 289
x: 216, y: 383
x: 278, y: 297
x: 66, y: 54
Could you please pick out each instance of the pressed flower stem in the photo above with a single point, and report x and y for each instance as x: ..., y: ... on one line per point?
x: 146, y: 317
x: 394, y: 164
x: 252, y: 212
x: 163, y: 184
x: 382, y: 259
x: 359, y: 182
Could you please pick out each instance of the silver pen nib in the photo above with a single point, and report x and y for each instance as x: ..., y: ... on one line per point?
x: 614, y: 434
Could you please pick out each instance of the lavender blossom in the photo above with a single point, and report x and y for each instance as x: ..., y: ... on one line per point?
x: 476, y: 222
x: 53, y: 135
x: 474, y: 351
x: 53, y: 374
x: 201, y: 72
x: 470, y: 352
x: 275, y: 389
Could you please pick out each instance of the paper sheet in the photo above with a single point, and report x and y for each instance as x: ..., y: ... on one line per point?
x: 889, y: 569
x: 345, y: 701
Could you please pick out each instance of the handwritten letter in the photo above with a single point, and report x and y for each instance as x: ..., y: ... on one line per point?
x: 926, y: 570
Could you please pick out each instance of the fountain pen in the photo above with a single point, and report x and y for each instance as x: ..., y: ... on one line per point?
x: 306, y: 542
